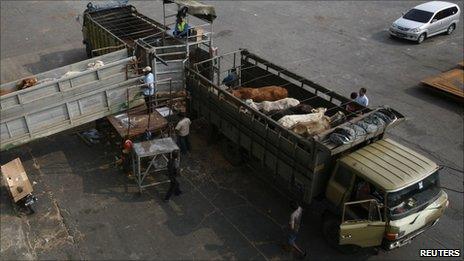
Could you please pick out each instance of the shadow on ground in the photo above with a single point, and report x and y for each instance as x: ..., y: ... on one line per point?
x: 89, y: 209
x: 54, y: 60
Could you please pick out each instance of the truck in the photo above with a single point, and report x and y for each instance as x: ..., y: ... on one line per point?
x: 374, y: 191
x: 110, y: 27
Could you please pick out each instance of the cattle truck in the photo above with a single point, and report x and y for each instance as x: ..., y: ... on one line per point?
x: 110, y: 27
x: 402, y: 197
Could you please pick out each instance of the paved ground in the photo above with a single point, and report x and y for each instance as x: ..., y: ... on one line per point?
x: 88, y: 209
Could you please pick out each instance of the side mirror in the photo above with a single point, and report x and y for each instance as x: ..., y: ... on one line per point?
x: 402, y: 13
x: 433, y: 21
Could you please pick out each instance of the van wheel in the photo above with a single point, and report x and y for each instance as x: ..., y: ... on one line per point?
x: 421, y: 38
x: 451, y: 29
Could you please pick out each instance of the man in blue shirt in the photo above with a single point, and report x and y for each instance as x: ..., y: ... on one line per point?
x: 148, y: 88
x: 362, y: 98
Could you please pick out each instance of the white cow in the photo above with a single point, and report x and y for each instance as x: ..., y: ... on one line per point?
x: 291, y: 120
x: 268, y: 106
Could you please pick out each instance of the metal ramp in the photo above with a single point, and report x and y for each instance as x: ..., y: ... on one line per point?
x: 67, y: 97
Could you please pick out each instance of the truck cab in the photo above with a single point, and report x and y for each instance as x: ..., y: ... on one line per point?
x: 385, y: 195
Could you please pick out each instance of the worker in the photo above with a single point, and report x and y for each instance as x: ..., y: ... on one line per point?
x: 125, y: 156
x: 183, y: 130
x: 231, y: 80
x: 148, y: 88
x: 352, y: 107
x: 181, y: 28
x: 294, y: 227
x: 173, y: 171
x: 362, y: 98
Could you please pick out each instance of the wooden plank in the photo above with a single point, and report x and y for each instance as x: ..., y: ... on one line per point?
x: 16, y: 179
x: 138, y: 122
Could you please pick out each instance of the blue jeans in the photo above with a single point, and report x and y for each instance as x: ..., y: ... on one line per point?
x: 291, y: 238
x: 184, y: 143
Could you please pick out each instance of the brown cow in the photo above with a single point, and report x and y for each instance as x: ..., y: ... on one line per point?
x: 28, y: 82
x: 268, y: 93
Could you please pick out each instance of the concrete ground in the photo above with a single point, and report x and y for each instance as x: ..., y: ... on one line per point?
x: 89, y: 210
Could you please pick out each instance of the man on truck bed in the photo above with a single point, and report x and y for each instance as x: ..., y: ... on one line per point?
x: 148, y: 88
x: 181, y: 28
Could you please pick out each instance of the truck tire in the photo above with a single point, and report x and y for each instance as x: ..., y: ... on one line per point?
x: 330, y: 229
x: 231, y: 152
x: 88, y: 50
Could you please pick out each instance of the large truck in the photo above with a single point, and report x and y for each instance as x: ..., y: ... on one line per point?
x: 401, y: 193
x: 110, y: 27
x: 374, y: 191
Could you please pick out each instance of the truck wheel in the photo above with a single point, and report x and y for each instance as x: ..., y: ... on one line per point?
x: 330, y: 230
x: 231, y: 152
x: 451, y: 29
x: 88, y: 50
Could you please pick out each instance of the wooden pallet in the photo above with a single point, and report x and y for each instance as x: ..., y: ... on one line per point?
x: 451, y: 82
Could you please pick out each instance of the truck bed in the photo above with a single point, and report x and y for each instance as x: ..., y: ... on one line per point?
x: 61, y: 101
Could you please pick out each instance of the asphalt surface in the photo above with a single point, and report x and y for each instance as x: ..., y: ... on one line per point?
x: 88, y: 209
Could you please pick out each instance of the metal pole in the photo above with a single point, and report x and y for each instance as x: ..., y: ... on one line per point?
x: 164, y: 22
x: 219, y: 71
x: 128, y: 116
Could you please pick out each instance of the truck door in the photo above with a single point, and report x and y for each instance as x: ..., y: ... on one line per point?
x: 339, y: 186
x: 362, y: 224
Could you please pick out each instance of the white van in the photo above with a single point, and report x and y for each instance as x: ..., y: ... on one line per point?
x: 426, y: 20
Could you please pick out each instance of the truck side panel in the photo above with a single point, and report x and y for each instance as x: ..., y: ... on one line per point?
x: 261, y: 142
x: 66, y: 100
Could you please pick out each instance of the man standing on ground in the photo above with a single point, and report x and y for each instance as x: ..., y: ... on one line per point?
x: 183, y: 131
x: 294, y: 226
x: 173, y: 169
x: 362, y: 98
x: 148, y: 88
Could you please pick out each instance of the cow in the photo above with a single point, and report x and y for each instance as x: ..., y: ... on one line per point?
x: 315, y: 127
x: 28, y: 82
x: 267, y: 93
x: 291, y: 120
x: 299, y: 109
x: 268, y: 106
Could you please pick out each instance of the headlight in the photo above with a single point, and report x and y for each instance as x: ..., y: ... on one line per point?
x: 394, y: 25
x: 415, y: 30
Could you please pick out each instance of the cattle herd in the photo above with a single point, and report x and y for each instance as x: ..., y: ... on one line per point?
x: 301, y: 118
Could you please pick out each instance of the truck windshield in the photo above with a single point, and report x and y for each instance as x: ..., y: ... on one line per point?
x: 414, y: 197
x: 418, y: 15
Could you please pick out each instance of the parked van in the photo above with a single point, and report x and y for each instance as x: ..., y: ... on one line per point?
x: 426, y: 20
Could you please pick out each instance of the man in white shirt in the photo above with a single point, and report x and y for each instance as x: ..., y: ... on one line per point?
x: 148, y: 88
x: 362, y: 98
x: 294, y: 226
x: 183, y: 131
